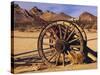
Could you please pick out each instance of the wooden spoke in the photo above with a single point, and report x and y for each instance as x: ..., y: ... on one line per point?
x: 57, y: 59
x: 64, y: 59
x: 52, y: 56
x: 48, y: 50
x: 65, y: 30
x: 73, y: 40
x: 65, y: 33
x: 51, y: 38
x: 75, y: 46
x: 60, y: 31
x: 54, y: 33
x: 70, y: 34
x: 48, y: 43
x: 48, y: 35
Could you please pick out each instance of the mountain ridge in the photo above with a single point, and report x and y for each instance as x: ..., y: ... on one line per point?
x: 36, y: 17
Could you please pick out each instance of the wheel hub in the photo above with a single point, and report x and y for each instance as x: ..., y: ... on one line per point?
x: 61, y: 46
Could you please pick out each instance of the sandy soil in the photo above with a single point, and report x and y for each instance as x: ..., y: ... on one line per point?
x: 27, y: 41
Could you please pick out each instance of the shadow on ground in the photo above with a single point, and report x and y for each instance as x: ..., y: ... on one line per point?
x: 28, y: 60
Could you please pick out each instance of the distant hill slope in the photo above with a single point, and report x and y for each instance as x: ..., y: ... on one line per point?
x: 88, y: 20
x: 51, y: 16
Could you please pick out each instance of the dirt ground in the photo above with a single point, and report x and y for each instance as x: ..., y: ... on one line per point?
x: 27, y: 42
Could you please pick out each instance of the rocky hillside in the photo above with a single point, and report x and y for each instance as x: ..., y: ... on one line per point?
x: 35, y: 11
x: 88, y: 20
x: 20, y: 16
x: 51, y: 16
x: 36, y: 18
x: 24, y: 19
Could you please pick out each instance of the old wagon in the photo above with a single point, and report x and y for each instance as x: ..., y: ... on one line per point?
x: 62, y: 42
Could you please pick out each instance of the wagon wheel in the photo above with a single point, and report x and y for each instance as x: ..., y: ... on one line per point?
x: 58, y: 41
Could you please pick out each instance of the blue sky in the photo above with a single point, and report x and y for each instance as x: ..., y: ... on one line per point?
x: 72, y: 10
